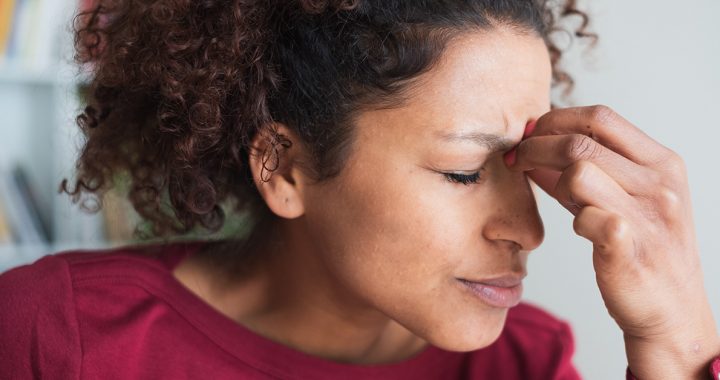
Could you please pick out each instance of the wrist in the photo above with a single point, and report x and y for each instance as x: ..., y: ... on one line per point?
x: 713, y: 372
x: 690, y: 359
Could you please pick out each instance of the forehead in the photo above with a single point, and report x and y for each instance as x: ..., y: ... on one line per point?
x: 488, y: 80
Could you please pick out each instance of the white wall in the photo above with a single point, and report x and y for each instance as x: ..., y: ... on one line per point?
x: 658, y: 64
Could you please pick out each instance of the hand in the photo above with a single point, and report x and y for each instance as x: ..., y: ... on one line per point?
x: 630, y: 198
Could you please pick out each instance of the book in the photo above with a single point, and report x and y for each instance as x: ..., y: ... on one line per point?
x: 20, y: 211
x: 5, y: 234
x: 7, y: 9
x: 41, y: 223
x: 31, y: 31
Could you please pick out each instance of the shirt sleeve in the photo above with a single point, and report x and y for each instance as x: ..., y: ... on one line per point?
x: 38, y: 325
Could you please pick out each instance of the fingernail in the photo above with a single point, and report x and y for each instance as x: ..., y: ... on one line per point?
x: 509, y: 157
x: 529, y: 128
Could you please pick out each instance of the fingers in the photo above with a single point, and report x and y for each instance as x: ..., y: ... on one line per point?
x: 585, y: 184
x: 610, y: 234
x: 558, y: 152
x: 608, y: 128
x: 546, y: 179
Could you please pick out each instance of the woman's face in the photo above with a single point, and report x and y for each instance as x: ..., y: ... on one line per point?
x: 397, y: 234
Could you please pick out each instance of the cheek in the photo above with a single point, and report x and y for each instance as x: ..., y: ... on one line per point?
x: 391, y: 227
x: 397, y: 240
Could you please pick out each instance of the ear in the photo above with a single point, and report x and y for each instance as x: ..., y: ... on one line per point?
x: 276, y: 162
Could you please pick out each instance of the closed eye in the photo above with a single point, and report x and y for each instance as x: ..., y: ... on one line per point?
x: 465, y: 179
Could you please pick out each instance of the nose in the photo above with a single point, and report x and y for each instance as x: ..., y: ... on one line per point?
x: 515, y: 218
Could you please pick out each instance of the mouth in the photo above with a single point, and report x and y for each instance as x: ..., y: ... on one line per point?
x: 500, y: 292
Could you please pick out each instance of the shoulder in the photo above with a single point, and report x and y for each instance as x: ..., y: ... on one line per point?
x: 72, y: 265
x: 51, y: 280
x: 44, y: 282
x: 126, y: 261
x: 39, y: 328
x: 42, y: 304
x: 68, y: 274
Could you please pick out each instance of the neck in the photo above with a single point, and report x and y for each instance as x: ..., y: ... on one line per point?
x: 291, y: 297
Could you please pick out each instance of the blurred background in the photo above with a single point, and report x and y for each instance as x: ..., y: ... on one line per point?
x: 657, y: 63
x: 39, y: 98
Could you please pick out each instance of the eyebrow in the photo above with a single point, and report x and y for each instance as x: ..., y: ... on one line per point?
x: 489, y: 141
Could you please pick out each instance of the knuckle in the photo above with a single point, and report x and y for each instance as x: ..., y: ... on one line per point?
x: 581, y: 147
x: 577, y: 221
x: 616, y: 230
x: 582, y: 168
x: 668, y: 201
x: 600, y: 113
x: 672, y: 169
x: 577, y: 174
x: 674, y: 163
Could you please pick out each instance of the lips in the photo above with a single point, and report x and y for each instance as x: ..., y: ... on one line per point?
x: 502, y: 292
x: 506, y: 281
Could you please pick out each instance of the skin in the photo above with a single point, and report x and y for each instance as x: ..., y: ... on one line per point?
x: 364, y: 268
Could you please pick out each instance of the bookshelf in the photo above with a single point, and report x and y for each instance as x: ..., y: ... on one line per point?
x: 38, y: 105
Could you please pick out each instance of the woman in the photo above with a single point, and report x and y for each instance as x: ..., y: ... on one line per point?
x: 382, y: 151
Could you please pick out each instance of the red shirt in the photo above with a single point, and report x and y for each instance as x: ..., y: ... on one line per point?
x: 120, y: 314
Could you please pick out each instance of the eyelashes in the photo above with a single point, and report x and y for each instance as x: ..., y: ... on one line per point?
x: 465, y: 179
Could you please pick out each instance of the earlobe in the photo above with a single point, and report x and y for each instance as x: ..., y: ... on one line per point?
x: 274, y: 162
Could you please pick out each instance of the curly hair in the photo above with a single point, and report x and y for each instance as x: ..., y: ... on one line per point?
x: 179, y: 88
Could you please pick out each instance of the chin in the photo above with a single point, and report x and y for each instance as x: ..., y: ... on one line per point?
x: 469, y: 335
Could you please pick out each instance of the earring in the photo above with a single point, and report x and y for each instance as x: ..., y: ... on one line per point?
x: 271, y: 153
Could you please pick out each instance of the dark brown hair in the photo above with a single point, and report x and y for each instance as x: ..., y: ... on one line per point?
x: 178, y: 88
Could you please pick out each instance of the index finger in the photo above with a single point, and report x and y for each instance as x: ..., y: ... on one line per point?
x: 608, y: 128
